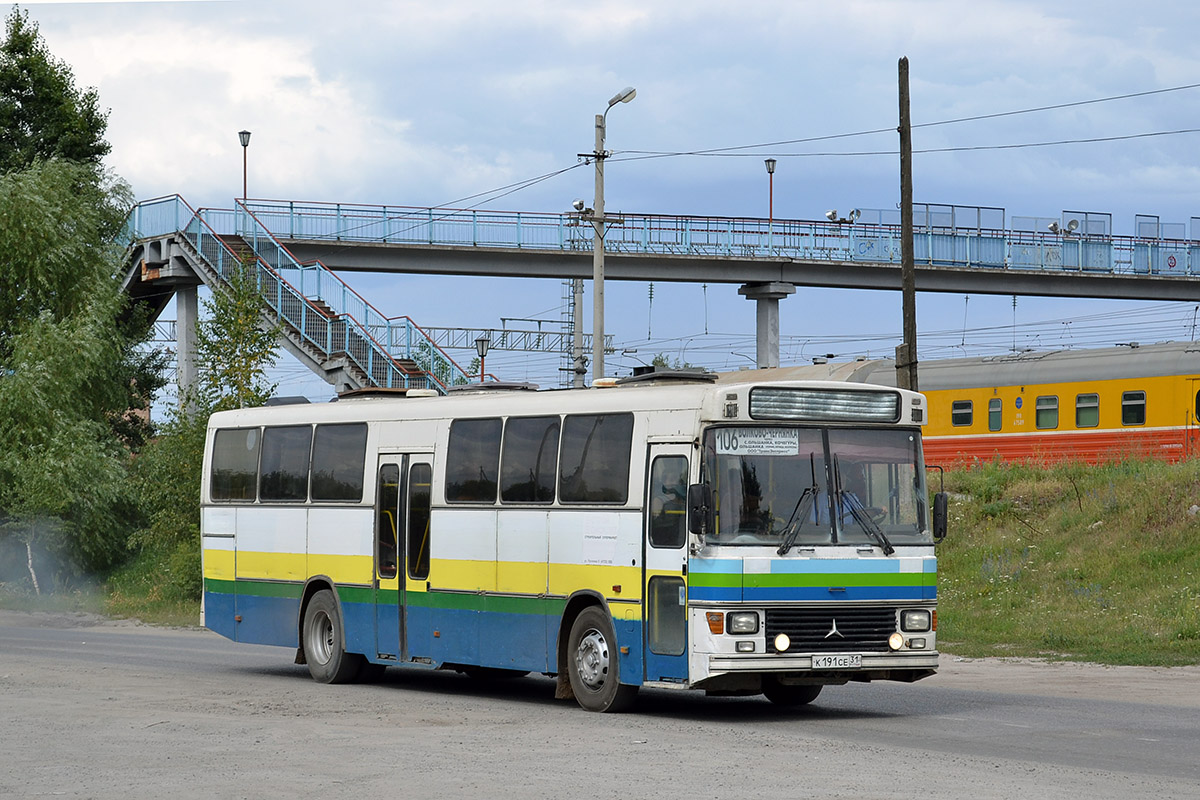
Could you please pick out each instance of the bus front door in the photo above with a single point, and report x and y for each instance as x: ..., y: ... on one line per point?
x: 664, y: 562
x: 389, y: 571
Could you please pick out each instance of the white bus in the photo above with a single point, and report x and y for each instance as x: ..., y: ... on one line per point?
x: 734, y: 534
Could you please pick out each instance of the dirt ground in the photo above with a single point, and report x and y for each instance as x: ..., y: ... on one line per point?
x: 95, y: 708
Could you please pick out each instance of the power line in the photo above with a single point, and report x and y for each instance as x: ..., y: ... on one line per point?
x: 873, y: 131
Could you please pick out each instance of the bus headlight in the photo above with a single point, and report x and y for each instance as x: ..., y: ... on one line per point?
x: 742, y: 622
x: 915, y: 620
x: 896, y: 641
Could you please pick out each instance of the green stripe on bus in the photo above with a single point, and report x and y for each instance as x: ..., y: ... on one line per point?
x: 290, y: 591
x: 490, y: 602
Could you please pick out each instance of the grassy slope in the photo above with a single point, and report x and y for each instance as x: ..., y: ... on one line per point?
x: 1086, y: 563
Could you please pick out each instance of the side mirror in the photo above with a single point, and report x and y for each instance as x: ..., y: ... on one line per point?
x: 941, y: 516
x: 700, y: 510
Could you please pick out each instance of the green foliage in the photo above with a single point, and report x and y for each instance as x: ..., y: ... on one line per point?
x: 234, y: 346
x: 42, y: 114
x: 1090, y: 563
x: 65, y: 370
x: 663, y: 360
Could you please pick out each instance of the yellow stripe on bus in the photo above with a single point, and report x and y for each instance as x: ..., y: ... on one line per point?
x: 523, y: 577
x: 342, y: 569
x: 565, y: 579
x: 218, y: 564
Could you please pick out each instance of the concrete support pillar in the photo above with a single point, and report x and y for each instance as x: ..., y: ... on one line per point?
x: 767, y: 297
x: 186, y: 317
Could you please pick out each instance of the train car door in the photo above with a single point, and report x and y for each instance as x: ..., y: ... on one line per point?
x: 665, y: 563
x: 1191, y: 404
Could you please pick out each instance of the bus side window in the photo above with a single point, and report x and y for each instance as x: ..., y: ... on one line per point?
x: 472, y: 461
x: 283, y: 474
x: 235, y: 465
x: 420, y: 478
x: 594, y: 466
x: 668, y: 501
x: 529, y: 460
x: 339, y: 457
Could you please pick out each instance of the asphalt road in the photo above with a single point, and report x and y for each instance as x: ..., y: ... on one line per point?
x: 114, y: 710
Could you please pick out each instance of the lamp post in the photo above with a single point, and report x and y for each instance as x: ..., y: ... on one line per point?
x: 598, y: 223
x: 244, y: 138
x: 770, y: 162
x: 481, y: 347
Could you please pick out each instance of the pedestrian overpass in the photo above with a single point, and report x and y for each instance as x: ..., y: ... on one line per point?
x: 296, y: 249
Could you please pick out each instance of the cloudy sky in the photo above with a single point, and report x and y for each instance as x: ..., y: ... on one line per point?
x: 426, y: 103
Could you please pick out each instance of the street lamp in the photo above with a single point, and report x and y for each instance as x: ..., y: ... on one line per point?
x: 244, y: 138
x: 481, y: 347
x: 770, y: 162
x: 598, y: 222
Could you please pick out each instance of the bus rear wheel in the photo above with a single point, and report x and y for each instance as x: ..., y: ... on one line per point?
x: 592, y: 663
x: 325, y: 642
x: 782, y: 694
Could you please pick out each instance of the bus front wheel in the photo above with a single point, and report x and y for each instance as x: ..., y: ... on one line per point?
x: 324, y: 642
x: 592, y: 663
x: 782, y: 694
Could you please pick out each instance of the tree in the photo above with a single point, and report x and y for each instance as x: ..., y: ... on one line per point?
x: 66, y: 369
x: 234, y: 348
x: 42, y: 114
x: 662, y: 360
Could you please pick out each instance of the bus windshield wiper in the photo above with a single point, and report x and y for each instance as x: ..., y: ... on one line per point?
x: 800, y: 512
x: 859, y: 512
x: 864, y: 519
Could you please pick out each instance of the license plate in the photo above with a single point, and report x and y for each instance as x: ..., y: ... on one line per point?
x: 837, y: 662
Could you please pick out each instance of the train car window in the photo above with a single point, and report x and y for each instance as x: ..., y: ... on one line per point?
x: 1087, y: 410
x: 1133, y: 408
x: 1046, y: 415
x: 962, y: 412
x: 995, y: 415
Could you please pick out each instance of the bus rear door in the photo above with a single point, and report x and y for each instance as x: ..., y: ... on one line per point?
x: 402, y: 500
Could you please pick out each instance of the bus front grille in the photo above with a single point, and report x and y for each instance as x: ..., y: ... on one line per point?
x: 831, y: 630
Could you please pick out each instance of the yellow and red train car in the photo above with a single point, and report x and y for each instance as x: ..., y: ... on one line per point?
x: 1096, y: 405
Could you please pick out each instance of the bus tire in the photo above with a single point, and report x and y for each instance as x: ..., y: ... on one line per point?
x: 325, y: 642
x: 592, y: 664
x: 782, y: 694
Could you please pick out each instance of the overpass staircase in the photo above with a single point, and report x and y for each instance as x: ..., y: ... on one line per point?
x: 321, y: 321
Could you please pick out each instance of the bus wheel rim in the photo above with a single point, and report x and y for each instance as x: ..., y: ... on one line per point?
x: 591, y: 659
x: 322, y: 636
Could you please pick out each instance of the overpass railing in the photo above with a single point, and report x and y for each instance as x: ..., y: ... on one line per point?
x: 728, y: 237
x: 354, y: 329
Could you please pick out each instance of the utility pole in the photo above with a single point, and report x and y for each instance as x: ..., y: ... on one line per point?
x: 906, y: 353
x: 598, y: 254
x: 599, y: 224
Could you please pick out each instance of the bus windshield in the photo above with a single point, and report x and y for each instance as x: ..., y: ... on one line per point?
x: 816, y: 486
